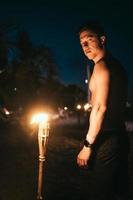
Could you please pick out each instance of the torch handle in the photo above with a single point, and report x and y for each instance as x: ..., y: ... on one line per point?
x: 42, y: 142
x: 40, y: 181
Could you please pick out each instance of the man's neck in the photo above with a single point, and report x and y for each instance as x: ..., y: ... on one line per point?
x: 99, y: 56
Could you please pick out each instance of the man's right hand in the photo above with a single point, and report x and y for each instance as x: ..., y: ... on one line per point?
x: 83, y: 156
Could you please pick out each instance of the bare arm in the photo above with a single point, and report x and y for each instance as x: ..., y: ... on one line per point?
x: 101, y: 91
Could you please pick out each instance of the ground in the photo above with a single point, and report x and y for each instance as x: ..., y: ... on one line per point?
x: 62, y: 177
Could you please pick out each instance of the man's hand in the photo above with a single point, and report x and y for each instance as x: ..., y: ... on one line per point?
x: 83, y: 156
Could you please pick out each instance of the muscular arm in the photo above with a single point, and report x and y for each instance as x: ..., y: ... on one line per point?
x: 101, y: 91
x: 100, y: 97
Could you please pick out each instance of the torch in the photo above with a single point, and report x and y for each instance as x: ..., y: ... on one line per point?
x: 43, y: 134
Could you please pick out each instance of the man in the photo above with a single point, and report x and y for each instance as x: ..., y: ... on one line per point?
x: 105, y: 149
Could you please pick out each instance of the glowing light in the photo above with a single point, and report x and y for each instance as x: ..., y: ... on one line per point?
x: 65, y: 108
x: 86, y: 81
x: 86, y: 106
x: 6, y: 111
x: 40, y: 118
x: 78, y: 106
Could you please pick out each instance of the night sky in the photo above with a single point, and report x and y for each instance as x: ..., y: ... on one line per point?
x: 54, y: 24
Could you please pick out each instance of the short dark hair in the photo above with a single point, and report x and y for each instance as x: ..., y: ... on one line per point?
x: 94, y: 26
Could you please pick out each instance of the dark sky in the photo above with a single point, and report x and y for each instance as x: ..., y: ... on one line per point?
x: 54, y: 23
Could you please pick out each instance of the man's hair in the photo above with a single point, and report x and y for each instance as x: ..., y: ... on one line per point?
x: 92, y: 25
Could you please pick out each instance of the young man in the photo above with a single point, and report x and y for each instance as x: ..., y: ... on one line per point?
x: 105, y: 148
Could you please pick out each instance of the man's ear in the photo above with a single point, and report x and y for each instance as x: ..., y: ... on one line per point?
x: 103, y: 39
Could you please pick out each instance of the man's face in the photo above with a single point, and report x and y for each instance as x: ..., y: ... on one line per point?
x: 91, y: 44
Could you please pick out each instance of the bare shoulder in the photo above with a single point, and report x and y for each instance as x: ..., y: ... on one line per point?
x: 101, y: 71
x: 101, y: 66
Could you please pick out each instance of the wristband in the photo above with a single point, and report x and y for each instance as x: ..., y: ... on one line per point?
x: 87, y: 144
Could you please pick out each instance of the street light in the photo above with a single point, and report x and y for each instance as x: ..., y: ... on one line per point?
x: 43, y: 132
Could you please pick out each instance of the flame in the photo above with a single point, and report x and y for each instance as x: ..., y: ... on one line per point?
x: 40, y: 118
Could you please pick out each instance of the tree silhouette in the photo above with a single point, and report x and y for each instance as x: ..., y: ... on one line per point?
x: 29, y: 73
x: 24, y: 68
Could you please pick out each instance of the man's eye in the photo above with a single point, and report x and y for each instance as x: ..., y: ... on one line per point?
x: 89, y: 39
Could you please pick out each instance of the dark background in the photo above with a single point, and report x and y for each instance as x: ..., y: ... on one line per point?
x: 54, y: 23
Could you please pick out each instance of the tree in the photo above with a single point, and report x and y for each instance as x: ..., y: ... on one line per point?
x: 29, y: 73
x: 25, y: 69
x: 34, y: 69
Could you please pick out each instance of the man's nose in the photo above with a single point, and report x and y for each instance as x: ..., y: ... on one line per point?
x: 85, y: 44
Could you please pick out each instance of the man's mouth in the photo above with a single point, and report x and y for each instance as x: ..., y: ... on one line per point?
x: 88, y: 51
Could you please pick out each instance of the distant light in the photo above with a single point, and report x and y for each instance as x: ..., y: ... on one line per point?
x: 65, y: 108
x: 86, y: 81
x: 6, y: 111
x: 78, y: 106
x: 86, y: 106
x: 15, y: 89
